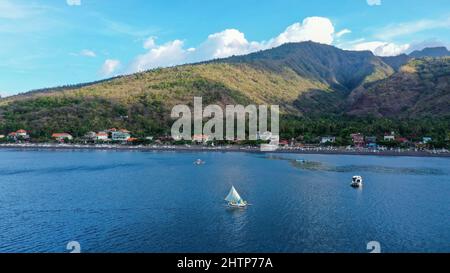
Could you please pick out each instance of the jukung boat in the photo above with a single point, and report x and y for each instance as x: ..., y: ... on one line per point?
x: 234, y: 199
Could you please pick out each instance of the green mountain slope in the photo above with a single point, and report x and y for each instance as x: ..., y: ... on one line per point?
x: 305, y: 79
x: 421, y: 88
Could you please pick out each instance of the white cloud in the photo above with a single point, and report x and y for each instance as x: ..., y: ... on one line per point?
x: 168, y: 54
x: 374, y: 2
x: 224, y: 44
x: 73, y: 2
x: 402, y: 29
x: 382, y: 48
x: 109, y: 67
x: 227, y: 43
x: 316, y: 29
x: 88, y: 53
x: 343, y: 32
x: 150, y: 43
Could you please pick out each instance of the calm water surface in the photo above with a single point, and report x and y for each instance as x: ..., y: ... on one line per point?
x: 161, y: 202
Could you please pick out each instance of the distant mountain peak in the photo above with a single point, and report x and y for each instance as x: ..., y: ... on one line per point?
x: 341, y: 69
x: 440, y: 51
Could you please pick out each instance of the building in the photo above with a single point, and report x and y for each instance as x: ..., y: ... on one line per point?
x: 328, y: 139
x: 358, y: 139
x: 426, y: 140
x: 371, y: 139
x: 62, y: 137
x: 22, y: 133
x: 102, y: 136
x: 120, y: 135
x: 12, y: 136
x: 389, y: 136
x: 284, y: 143
x: 18, y: 135
x: 402, y: 140
x: 201, y: 138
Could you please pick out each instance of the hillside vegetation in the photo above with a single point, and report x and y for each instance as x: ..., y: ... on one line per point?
x: 310, y: 82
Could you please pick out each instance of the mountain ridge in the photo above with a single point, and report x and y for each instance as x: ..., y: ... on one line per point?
x: 306, y: 79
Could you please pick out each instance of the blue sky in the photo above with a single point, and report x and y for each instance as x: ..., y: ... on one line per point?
x: 55, y: 42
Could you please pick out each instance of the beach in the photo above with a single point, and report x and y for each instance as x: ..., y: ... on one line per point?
x: 230, y: 148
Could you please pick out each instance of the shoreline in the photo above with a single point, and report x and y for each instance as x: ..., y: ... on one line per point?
x: 172, y: 148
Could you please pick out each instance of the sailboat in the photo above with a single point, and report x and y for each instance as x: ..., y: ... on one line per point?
x: 234, y: 199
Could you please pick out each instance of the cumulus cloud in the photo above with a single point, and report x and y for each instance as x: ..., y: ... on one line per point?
x: 316, y: 29
x: 382, y: 48
x: 109, y: 67
x: 374, y: 2
x: 73, y: 2
x: 168, y: 54
x: 227, y: 43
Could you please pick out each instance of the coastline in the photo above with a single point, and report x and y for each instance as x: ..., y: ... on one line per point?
x: 235, y: 148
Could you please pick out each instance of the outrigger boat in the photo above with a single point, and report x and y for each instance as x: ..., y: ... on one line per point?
x: 234, y: 199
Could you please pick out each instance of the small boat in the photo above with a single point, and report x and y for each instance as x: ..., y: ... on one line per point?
x: 199, y: 162
x: 357, y: 181
x: 234, y: 199
x: 302, y: 161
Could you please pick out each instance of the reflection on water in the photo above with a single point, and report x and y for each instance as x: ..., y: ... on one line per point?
x: 161, y: 202
x: 320, y: 166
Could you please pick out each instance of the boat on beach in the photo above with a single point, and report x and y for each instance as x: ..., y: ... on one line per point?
x: 234, y: 199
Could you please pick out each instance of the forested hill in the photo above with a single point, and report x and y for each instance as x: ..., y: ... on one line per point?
x: 309, y: 81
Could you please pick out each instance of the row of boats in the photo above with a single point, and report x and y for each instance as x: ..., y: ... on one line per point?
x: 235, y: 200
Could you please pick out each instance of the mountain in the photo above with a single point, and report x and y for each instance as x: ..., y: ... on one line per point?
x: 420, y: 88
x: 340, y: 69
x: 398, y: 61
x: 306, y: 79
x: 430, y: 52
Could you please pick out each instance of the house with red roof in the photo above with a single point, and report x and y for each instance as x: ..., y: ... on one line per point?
x: 18, y: 135
x: 102, y: 136
x: 62, y: 137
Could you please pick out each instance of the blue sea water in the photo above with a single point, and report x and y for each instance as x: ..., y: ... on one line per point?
x: 161, y: 202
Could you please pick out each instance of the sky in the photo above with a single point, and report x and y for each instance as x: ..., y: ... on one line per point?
x: 47, y: 43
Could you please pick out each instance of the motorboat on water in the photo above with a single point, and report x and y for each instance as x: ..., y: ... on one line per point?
x: 357, y: 181
x: 235, y: 200
x: 199, y: 162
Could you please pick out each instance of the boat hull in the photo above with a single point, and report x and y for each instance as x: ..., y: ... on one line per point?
x: 238, y: 206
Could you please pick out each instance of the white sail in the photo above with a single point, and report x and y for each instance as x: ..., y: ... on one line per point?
x: 233, y: 196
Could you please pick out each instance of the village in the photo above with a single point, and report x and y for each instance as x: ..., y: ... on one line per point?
x: 123, y: 137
